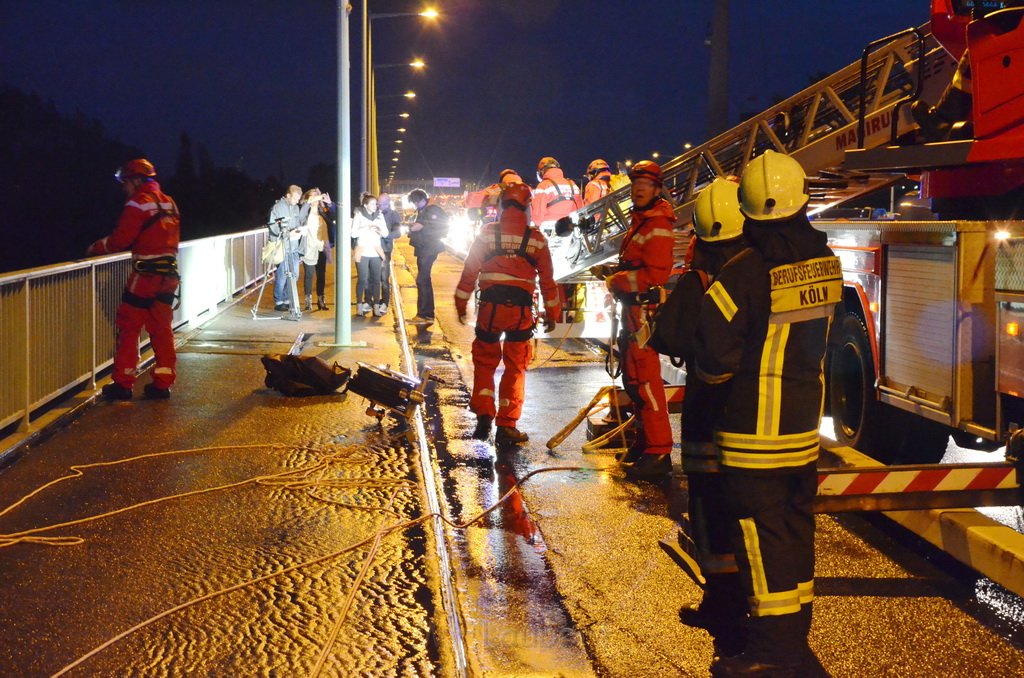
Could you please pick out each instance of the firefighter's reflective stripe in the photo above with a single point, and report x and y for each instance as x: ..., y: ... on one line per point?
x: 723, y: 301
x: 150, y: 206
x: 633, y: 281
x: 713, y: 378
x: 495, y: 277
x: 765, y: 603
x: 462, y: 294
x: 806, y: 591
x: 769, y: 401
x: 642, y: 238
x: 652, y: 401
x: 551, y: 303
x: 486, y: 393
x: 767, y: 451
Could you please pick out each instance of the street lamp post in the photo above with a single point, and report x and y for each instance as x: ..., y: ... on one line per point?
x: 343, y: 207
x: 367, y: 174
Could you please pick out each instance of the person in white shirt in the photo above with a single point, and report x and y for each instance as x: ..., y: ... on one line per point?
x: 368, y: 230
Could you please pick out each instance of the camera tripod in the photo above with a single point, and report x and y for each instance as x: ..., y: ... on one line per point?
x: 293, y: 312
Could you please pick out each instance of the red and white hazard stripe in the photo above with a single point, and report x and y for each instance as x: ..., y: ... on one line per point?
x: 881, y: 481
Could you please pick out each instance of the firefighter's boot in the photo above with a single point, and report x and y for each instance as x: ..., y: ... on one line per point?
x: 153, y: 392
x: 937, y: 122
x: 722, y: 608
x: 483, y: 427
x: 510, y: 435
x: 652, y: 467
x: 115, y: 391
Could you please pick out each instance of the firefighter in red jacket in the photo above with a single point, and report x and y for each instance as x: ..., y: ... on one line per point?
x: 555, y: 196
x: 762, y: 332
x: 600, y: 181
x: 507, y: 257
x: 489, y: 197
x: 149, y: 227
x: 645, y: 263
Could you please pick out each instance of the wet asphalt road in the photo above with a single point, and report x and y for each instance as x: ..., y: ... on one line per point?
x: 887, y: 604
x: 282, y: 576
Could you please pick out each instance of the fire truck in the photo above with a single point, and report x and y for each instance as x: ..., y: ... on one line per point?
x: 928, y: 339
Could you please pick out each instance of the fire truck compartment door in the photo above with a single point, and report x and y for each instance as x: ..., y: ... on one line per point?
x: 919, y: 308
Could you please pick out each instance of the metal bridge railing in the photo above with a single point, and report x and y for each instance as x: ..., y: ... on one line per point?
x: 57, y: 328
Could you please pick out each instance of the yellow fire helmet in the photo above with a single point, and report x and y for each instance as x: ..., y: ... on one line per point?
x: 773, y: 186
x: 717, y: 216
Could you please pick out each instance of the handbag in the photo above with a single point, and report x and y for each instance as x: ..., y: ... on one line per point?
x: 273, y: 252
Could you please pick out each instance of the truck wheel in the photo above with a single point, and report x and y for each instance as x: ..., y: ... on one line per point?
x: 851, y: 385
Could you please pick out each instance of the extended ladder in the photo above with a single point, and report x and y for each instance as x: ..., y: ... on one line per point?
x: 816, y: 127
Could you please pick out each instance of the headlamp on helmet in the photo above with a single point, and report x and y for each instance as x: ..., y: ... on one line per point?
x: 139, y: 167
x: 546, y: 163
x: 598, y: 166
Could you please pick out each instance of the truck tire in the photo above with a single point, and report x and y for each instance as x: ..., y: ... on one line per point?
x: 861, y: 421
x: 851, y: 385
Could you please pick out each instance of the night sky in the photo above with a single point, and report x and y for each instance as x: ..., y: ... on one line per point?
x: 507, y: 81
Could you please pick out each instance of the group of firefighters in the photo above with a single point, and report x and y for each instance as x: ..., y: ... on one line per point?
x: 757, y: 298
x: 759, y: 292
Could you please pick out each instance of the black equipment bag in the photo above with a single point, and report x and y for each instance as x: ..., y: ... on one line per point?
x: 384, y: 386
x: 303, y: 375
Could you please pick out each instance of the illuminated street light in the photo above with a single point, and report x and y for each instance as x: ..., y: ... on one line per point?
x: 369, y: 112
x: 397, y: 151
x: 687, y: 145
x: 416, y: 64
x: 655, y: 155
x: 399, y: 141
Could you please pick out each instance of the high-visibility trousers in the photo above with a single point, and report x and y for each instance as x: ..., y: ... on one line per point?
x: 146, y: 302
x: 773, y: 539
x: 641, y: 379
x: 503, y: 335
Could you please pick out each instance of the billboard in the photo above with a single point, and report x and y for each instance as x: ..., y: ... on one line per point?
x: 447, y: 182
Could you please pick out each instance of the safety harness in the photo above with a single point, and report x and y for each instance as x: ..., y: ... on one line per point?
x: 165, y: 266
x: 507, y: 295
x: 561, y: 196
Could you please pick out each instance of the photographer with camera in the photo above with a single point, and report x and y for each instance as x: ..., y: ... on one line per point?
x: 286, y: 220
x: 315, y: 248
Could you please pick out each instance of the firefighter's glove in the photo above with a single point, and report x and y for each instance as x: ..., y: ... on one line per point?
x: 602, y: 271
x: 549, y: 325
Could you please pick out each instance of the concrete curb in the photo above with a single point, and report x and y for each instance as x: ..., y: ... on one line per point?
x: 991, y: 548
